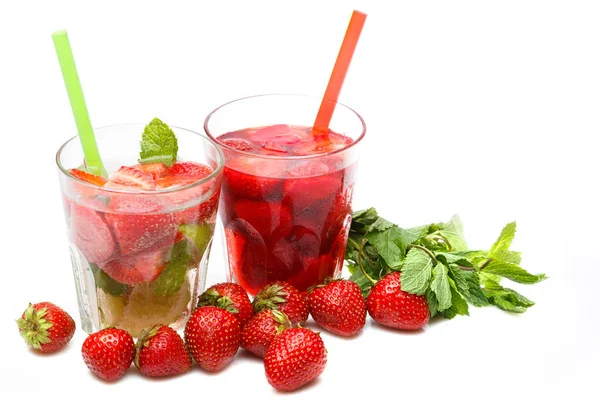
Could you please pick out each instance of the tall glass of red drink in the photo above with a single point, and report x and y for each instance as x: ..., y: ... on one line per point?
x: 287, y: 191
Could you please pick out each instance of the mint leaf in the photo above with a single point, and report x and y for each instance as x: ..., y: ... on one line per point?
x: 451, y: 258
x: 475, y: 257
x: 106, y: 283
x: 457, y: 276
x: 416, y: 272
x: 513, y: 257
x: 459, y: 305
x: 159, y: 144
x: 389, y: 244
x: 513, y: 272
x: 432, y: 303
x: 504, y: 240
x: 441, y: 287
x: 362, y: 281
x: 172, y: 277
x: 380, y: 224
x: 489, y: 280
x: 420, y: 231
x: 473, y: 293
x: 364, y: 218
x: 452, y: 231
x: 508, y: 299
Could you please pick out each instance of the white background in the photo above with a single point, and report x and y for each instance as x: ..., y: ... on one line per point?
x: 490, y: 110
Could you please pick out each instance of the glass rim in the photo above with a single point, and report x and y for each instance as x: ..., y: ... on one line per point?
x: 277, y: 157
x: 213, y: 175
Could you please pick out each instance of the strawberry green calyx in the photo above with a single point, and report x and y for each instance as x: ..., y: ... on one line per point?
x: 34, y: 327
x: 212, y: 298
x: 269, y: 298
x: 143, y: 341
x: 326, y: 282
x: 283, y: 322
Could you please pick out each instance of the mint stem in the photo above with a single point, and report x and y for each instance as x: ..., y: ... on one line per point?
x: 429, y: 253
x: 486, y: 263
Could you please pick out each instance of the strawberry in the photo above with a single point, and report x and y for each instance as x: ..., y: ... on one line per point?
x: 249, y: 178
x: 183, y: 173
x: 160, y: 351
x: 46, y: 327
x: 108, y: 353
x: 264, y: 216
x: 131, y: 270
x: 87, y: 177
x: 247, y: 255
x: 296, y: 357
x: 338, y: 306
x: 231, y: 297
x: 128, y: 178
x: 284, y: 297
x: 260, y: 331
x: 156, y: 170
x: 138, y: 224
x: 189, y: 168
x: 390, y: 306
x: 212, y: 336
x: 90, y: 233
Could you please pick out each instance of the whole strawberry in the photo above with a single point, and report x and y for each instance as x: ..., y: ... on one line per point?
x: 284, y: 297
x: 108, y: 353
x: 260, y: 331
x: 338, y: 306
x: 296, y: 357
x: 390, y: 306
x: 160, y: 351
x: 231, y: 297
x: 46, y: 327
x: 212, y: 336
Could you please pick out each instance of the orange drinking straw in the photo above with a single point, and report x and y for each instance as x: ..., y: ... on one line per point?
x: 339, y: 72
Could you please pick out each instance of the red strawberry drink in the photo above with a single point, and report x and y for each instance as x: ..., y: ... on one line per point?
x: 140, y: 237
x: 287, y: 192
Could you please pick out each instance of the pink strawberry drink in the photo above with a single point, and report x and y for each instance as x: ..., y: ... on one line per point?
x: 140, y: 238
x: 287, y: 192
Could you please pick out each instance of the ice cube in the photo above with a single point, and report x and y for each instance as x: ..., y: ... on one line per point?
x: 274, y: 146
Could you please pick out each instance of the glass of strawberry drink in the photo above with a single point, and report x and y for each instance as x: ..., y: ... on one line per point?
x: 287, y: 191
x: 140, y: 239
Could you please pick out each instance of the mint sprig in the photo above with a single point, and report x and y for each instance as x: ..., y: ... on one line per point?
x: 436, y: 262
x: 159, y: 144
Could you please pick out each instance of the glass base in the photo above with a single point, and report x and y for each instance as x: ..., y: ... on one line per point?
x: 136, y: 307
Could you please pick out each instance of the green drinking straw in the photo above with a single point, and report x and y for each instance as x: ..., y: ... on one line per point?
x: 80, y: 112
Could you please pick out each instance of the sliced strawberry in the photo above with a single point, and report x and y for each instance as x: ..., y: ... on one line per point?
x: 289, y: 252
x: 139, y: 225
x: 90, y: 233
x: 182, y: 174
x: 87, y: 177
x: 189, y: 168
x: 204, y: 212
x: 154, y: 169
x: 247, y: 254
x: 144, y: 267
x: 250, y: 178
x: 127, y: 178
x: 264, y: 216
